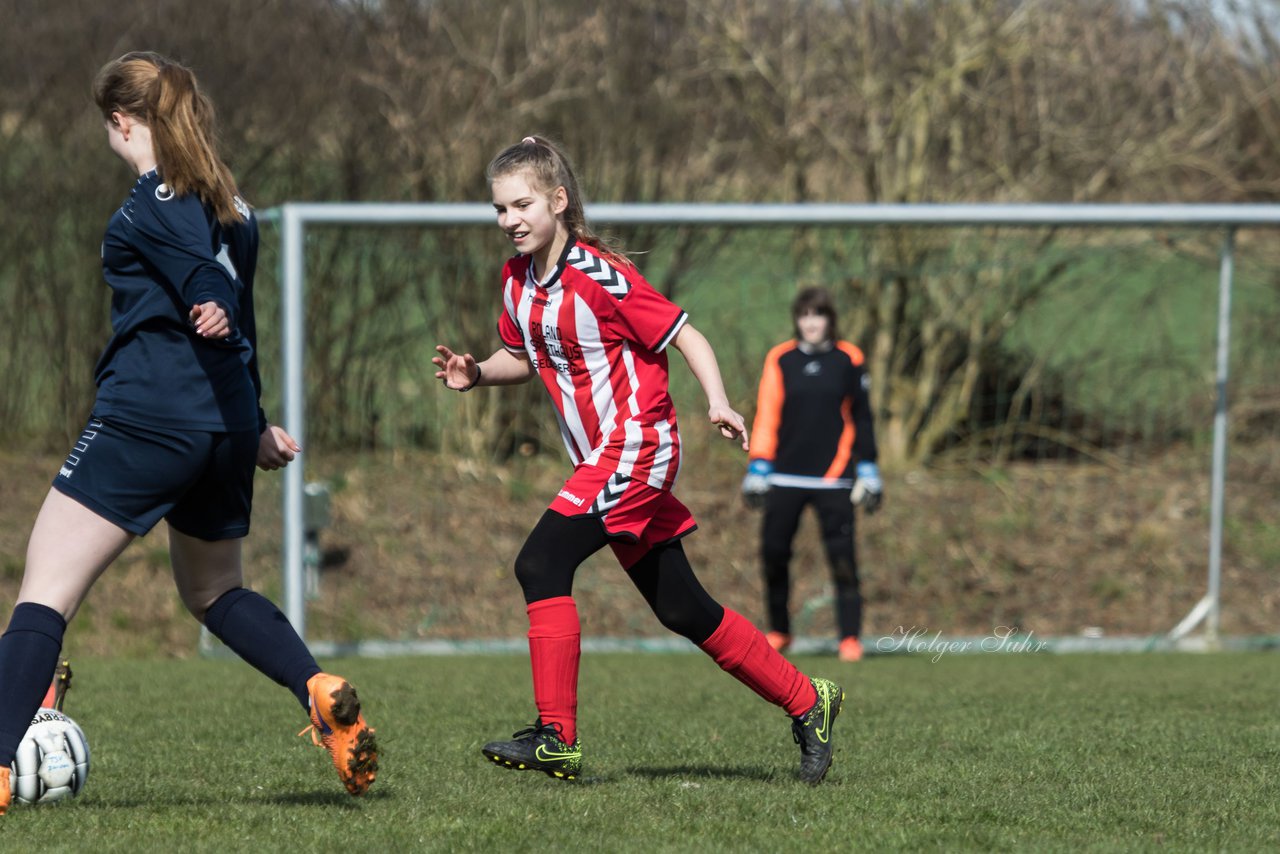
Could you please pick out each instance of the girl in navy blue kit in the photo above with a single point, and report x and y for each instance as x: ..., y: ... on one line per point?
x: 176, y: 428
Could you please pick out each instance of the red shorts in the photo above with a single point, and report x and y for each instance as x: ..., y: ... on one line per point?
x: 635, y: 515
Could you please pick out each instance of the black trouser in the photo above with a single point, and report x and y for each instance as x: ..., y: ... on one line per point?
x: 558, y: 545
x: 782, y: 508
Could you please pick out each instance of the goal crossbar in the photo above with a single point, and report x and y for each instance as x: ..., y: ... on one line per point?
x: 294, y: 217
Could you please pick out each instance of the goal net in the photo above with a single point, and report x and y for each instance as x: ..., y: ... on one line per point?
x: 1048, y: 383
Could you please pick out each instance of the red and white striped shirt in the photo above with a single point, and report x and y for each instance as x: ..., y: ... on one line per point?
x: 595, y: 333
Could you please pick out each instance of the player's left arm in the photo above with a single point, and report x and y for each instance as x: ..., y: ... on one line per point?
x: 276, y: 447
x: 701, y: 359
x: 173, y: 235
x: 864, y: 433
x: 868, y: 488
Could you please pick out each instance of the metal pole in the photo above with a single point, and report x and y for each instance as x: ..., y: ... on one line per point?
x: 294, y: 217
x: 1220, y: 437
x: 758, y: 215
x: 292, y: 310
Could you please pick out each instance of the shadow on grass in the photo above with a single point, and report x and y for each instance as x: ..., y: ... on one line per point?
x: 705, y: 772
x: 327, y: 799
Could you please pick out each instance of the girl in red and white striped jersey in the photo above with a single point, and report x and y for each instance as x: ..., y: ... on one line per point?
x: 580, y: 317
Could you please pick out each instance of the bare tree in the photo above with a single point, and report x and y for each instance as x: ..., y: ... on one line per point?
x: 752, y: 100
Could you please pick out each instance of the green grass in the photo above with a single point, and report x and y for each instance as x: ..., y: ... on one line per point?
x: 1014, y: 752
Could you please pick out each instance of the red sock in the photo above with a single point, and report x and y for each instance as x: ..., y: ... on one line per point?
x: 555, y: 645
x: 742, y: 651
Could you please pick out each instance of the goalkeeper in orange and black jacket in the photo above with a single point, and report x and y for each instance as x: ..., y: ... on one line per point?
x: 813, y: 443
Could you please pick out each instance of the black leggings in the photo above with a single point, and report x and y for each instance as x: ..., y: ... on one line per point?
x: 782, y: 509
x: 558, y: 545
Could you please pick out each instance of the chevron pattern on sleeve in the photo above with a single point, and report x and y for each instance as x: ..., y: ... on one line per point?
x: 600, y: 271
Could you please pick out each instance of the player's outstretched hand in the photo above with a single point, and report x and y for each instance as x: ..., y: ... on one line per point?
x: 210, y: 320
x: 731, y: 424
x: 459, y: 372
x: 276, y: 448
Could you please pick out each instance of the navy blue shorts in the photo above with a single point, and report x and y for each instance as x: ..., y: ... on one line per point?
x: 201, y: 483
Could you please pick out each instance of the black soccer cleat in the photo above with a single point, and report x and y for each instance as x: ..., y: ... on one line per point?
x: 812, y: 730
x: 538, y: 748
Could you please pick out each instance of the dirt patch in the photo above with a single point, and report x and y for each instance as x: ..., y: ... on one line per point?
x: 421, y: 547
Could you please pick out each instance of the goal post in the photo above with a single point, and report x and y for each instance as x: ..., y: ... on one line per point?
x: 295, y: 218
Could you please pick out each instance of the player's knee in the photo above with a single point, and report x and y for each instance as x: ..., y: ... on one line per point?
x: 197, y: 604
x: 689, y: 619
x: 200, y: 599
x: 844, y: 572
x: 539, y: 577
x: 775, y: 554
x: 674, y: 620
x: 777, y: 567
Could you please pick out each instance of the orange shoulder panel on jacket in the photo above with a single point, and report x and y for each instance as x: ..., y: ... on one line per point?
x: 855, y: 355
x: 764, y: 431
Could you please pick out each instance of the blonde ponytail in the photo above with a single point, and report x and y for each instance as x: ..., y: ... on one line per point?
x: 165, y: 96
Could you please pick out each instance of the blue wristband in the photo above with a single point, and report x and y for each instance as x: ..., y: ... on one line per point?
x: 760, y: 467
x: 867, y: 471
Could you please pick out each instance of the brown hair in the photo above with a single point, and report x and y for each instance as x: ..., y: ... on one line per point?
x: 164, y: 96
x: 550, y: 168
x: 817, y: 300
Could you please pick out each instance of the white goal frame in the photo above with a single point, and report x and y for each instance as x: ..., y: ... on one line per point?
x: 295, y: 217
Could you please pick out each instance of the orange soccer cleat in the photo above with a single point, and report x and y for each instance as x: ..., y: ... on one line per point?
x: 850, y: 649
x: 780, y: 641
x: 338, y: 726
x: 6, y: 794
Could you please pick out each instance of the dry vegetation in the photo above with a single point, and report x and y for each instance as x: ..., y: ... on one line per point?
x: 421, y: 547
x: 662, y: 100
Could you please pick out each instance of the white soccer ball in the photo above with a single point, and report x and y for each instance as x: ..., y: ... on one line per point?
x: 52, y: 762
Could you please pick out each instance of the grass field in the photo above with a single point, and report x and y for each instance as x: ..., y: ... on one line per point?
x: 990, y: 752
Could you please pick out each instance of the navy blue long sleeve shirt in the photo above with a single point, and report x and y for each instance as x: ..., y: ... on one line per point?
x: 161, y: 255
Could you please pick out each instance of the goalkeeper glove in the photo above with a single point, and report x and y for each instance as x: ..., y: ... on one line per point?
x: 756, y: 483
x: 868, y: 491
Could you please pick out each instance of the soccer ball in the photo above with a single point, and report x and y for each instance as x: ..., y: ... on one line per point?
x: 52, y: 761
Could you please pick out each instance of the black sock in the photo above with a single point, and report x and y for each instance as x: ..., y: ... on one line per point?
x: 256, y: 631
x: 29, y: 652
